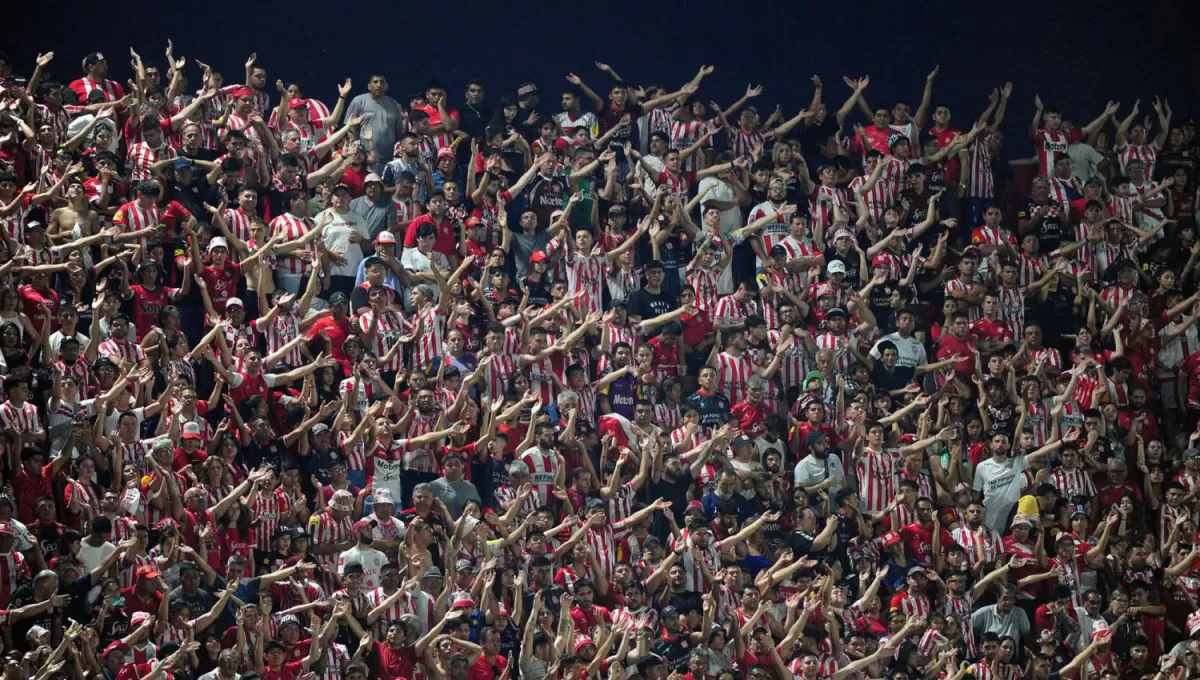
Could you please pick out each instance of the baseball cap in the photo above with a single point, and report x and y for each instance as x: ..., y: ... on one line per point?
x: 146, y: 571
x: 836, y: 267
x: 538, y: 256
x: 182, y: 163
x: 889, y: 539
x: 465, y: 566
x: 338, y: 298
x: 385, y: 237
x: 526, y: 89
x: 1021, y: 518
x: 289, y: 619
x: 836, y: 311
x: 118, y: 646
x: 961, y: 487
x: 191, y: 431
x: 298, y: 103
x: 694, y: 505
x: 218, y: 242
x: 463, y: 602
x: 813, y: 375
x: 1193, y: 623
x: 432, y: 572
x: 814, y: 438
x: 371, y: 177
x: 234, y: 302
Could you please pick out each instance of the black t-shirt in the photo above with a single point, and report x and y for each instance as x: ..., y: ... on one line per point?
x: 1050, y: 229
x: 23, y: 596
x: 192, y: 197
x: 257, y: 453
x: 648, y: 305
x: 890, y: 380
x: 611, y: 117
x: 675, y: 492
x: 676, y: 651
x: 850, y: 259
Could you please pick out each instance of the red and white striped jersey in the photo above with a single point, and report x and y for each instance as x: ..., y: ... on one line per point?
x: 626, y: 334
x: 141, y: 157
x: 793, y: 365
x: 1059, y: 194
x: 132, y: 217
x: 542, y: 374
x: 293, y: 228
x: 980, y: 182
x: 505, y: 494
x: 680, y: 436
x: 733, y: 372
x: 269, y: 509
x: 1149, y: 215
x: 1048, y: 145
x: 1012, y: 309
x: 542, y: 470
x: 390, y: 328
x: 586, y: 274
x: 420, y: 459
x: 127, y: 352
x: 1146, y: 153
x: 731, y: 312
x: 22, y: 418
x: 842, y: 356
x: 668, y: 417
x: 993, y: 547
x: 684, y: 135
x: 239, y: 224
x: 495, y: 375
x: 876, y: 476
x: 325, y: 530
x: 742, y: 142
x: 620, y: 506
x: 283, y: 329
x: 879, y: 197
x: 704, y: 282
x: 407, y: 209
x: 957, y: 284
x: 1073, y: 482
x: 775, y: 231
x: 13, y: 571
x: 822, y: 200
x: 961, y: 607
x: 1124, y: 209
x: 1105, y: 254
x: 14, y: 224
x: 1116, y: 295
x: 60, y: 120
x: 430, y: 345
x: 912, y: 604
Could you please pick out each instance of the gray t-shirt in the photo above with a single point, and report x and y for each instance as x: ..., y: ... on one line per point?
x: 454, y: 494
x: 385, y: 118
x: 378, y: 215
x: 1085, y: 159
x: 523, y: 246
x: 1001, y: 485
x: 988, y: 620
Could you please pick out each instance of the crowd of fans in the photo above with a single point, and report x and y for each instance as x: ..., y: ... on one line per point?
x: 569, y: 383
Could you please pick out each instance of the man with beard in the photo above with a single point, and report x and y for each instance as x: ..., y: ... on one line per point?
x: 819, y: 471
x: 998, y: 479
x: 374, y: 206
x: 95, y: 66
x: 385, y: 116
x: 675, y: 641
x: 982, y: 545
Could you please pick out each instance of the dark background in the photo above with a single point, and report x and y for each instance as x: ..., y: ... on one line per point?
x: 1074, y: 54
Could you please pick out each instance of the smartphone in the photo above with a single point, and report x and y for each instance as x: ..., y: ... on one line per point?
x: 117, y: 602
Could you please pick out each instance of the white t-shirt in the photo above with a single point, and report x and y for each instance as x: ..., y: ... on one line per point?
x: 415, y: 261
x: 911, y: 352
x: 372, y: 562
x: 1085, y: 159
x: 722, y: 191
x: 57, y: 337
x: 1001, y: 484
x: 337, y: 240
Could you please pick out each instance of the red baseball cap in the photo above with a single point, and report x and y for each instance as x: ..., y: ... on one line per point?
x: 298, y: 104
x: 147, y: 572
